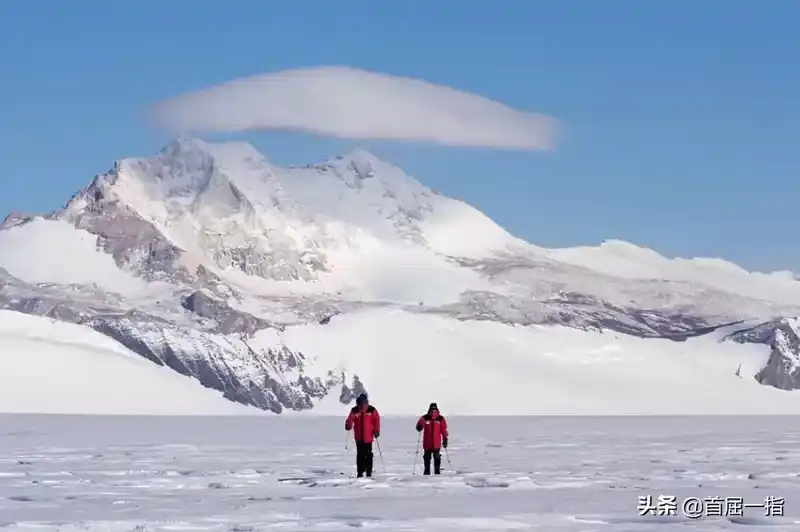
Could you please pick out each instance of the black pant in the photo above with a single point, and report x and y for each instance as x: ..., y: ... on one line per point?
x: 437, y: 461
x: 363, y: 458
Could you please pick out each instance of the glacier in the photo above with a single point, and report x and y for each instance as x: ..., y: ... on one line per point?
x: 292, y: 289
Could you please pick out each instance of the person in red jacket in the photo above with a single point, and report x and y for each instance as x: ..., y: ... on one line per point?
x: 365, y: 422
x: 434, y: 438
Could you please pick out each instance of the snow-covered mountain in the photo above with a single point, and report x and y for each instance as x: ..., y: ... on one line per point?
x: 53, y: 367
x: 208, y: 259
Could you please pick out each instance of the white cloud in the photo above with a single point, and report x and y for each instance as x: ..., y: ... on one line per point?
x: 347, y: 102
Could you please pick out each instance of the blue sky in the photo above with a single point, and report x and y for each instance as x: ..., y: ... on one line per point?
x: 681, y: 117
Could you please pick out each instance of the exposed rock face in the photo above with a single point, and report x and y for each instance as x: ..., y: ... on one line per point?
x: 270, y: 379
x: 134, y: 243
x: 578, y: 311
x: 783, y: 337
x: 211, y: 222
x: 14, y: 219
x: 349, y: 393
x: 227, y: 319
x: 280, y: 264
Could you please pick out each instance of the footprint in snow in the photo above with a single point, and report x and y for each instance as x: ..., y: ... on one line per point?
x: 486, y: 483
x: 321, y: 471
x: 21, y: 498
x: 295, y: 480
x: 264, y: 498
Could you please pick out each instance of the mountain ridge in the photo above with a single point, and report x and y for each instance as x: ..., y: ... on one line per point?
x: 225, y: 245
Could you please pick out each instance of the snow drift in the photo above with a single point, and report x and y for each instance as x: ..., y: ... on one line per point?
x: 51, y: 367
x: 353, y: 103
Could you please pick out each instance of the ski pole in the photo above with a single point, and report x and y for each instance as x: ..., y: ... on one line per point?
x: 380, y: 453
x: 419, y: 441
x: 346, y: 439
x: 447, y: 455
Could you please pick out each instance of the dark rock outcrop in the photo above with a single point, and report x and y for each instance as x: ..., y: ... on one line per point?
x: 228, y: 320
x: 271, y: 379
x: 783, y: 338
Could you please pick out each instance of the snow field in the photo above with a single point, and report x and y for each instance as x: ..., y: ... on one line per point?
x: 53, y: 251
x: 54, y: 367
x: 407, y: 360
x: 410, y: 359
x: 400, y: 274
x: 628, y: 261
x: 148, y: 474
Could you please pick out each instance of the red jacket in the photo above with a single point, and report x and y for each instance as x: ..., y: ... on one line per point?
x: 435, y: 430
x: 365, y: 422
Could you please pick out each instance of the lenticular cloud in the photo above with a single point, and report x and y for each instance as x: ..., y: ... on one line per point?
x: 351, y: 103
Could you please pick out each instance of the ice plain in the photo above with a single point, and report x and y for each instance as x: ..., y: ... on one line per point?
x: 160, y: 473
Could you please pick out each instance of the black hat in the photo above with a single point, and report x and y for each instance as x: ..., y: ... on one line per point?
x: 361, y: 399
x: 433, y: 406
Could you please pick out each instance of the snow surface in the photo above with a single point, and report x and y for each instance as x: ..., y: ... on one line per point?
x: 628, y: 261
x: 47, y: 366
x: 490, y: 368
x: 54, y: 251
x: 148, y: 474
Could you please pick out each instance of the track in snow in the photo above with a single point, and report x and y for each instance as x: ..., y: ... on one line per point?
x: 554, y: 474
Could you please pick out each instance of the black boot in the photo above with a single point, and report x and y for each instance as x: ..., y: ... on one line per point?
x: 426, y: 461
x: 437, y: 462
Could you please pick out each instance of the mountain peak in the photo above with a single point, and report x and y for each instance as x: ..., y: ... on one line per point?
x: 363, y: 163
x: 188, y: 166
x: 187, y: 148
x: 224, y: 207
x: 361, y: 155
x: 197, y: 153
x: 184, y: 144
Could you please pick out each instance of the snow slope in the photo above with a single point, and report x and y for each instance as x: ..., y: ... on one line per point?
x: 628, y: 261
x: 65, y: 474
x: 408, y: 360
x: 53, y: 251
x: 53, y: 367
x: 347, y: 224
